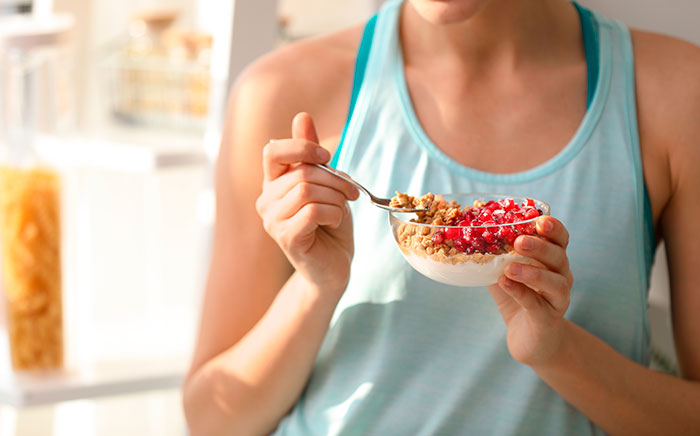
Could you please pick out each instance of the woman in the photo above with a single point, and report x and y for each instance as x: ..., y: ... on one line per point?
x: 541, y: 99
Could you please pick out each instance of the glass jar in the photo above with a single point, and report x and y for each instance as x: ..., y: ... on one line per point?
x: 32, y: 102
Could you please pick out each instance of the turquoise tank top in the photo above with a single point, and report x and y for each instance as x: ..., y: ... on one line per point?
x: 405, y: 355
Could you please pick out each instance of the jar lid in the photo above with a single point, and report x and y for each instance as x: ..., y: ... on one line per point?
x: 27, y: 32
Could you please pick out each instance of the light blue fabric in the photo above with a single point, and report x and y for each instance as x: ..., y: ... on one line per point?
x: 408, y: 356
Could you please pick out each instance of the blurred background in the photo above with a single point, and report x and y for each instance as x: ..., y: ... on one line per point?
x: 110, y: 117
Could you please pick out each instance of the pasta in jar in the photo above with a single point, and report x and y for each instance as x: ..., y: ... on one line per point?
x: 31, y: 266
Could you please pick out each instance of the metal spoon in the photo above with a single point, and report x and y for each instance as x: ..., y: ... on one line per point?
x: 379, y: 202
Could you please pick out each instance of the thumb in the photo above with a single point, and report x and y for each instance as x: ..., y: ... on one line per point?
x: 303, y: 128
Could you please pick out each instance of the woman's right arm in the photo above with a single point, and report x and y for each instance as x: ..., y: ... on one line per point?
x: 261, y: 328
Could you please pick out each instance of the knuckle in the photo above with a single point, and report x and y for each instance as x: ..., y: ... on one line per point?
x: 267, y: 151
x: 260, y: 205
x: 304, y: 191
x: 535, y: 274
x: 267, y: 225
x: 311, y: 211
x: 302, y: 173
x: 338, y: 214
x: 285, y: 243
x: 563, y: 288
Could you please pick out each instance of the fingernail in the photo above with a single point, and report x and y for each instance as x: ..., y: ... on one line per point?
x: 526, y: 243
x: 323, y: 153
x: 547, y: 226
x: 515, y: 269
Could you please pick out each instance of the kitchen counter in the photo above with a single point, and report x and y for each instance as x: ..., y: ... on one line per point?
x: 155, y: 413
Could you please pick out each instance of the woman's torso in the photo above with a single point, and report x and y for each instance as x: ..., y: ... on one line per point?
x: 377, y: 371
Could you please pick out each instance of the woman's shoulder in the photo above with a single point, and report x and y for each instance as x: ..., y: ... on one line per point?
x: 308, y: 75
x: 668, y: 103
x: 667, y: 72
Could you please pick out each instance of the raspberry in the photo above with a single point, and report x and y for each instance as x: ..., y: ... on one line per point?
x: 452, y: 233
x: 438, y: 237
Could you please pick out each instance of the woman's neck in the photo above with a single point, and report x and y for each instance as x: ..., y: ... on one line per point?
x: 504, y: 35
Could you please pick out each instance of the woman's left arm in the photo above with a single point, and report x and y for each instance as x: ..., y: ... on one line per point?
x: 619, y: 395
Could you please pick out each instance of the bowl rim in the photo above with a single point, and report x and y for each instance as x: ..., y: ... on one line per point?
x: 544, y: 207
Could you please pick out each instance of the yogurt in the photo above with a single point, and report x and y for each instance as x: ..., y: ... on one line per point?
x: 467, y: 273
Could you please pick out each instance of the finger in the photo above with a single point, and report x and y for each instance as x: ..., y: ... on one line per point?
x: 524, y: 296
x: 553, y: 229
x: 553, y: 287
x: 507, y: 307
x: 312, y: 216
x: 303, y: 128
x: 303, y: 194
x: 279, y: 187
x: 549, y: 254
x: 278, y: 155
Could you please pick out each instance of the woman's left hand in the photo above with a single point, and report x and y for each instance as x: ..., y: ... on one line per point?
x: 532, y: 299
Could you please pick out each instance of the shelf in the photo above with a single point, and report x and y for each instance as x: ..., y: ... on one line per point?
x: 120, y: 155
x: 99, y: 380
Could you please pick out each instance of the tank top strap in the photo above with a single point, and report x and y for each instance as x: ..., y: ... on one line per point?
x: 359, y: 76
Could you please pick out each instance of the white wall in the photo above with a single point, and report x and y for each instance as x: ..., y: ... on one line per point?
x: 679, y: 18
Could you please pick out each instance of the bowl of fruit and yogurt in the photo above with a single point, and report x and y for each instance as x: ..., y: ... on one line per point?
x: 463, y: 239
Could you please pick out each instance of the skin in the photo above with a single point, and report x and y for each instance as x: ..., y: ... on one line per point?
x: 262, y: 325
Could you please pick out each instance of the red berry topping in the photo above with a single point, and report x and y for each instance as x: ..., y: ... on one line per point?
x: 493, y: 248
x: 508, y: 204
x: 478, y: 245
x: 489, y: 237
x: 452, y: 233
x: 460, y: 244
x: 531, y: 213
x: 529, y: 202
x: 471, y: 232
x: 525, y: 229
x: 491, y: 223
x: 492, y: 205
x: 507, y: 235
x: 438, y: 237
x: 462, y: 223
x: 509, y: 217
x: 485, y: 215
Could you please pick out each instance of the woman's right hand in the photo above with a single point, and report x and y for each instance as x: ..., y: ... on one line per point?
x: 305, y: 209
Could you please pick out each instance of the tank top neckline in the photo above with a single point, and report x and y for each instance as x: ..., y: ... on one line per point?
x: 568, y: 152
